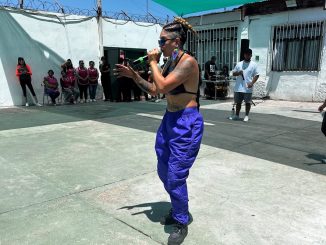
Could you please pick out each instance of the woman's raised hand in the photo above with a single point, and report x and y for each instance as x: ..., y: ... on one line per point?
x: 124, y: 71
x: 154, y: 55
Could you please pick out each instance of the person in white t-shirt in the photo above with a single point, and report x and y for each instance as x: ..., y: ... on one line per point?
x: 247, y: 74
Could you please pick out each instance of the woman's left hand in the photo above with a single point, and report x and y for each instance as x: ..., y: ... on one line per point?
x: 124, y: 71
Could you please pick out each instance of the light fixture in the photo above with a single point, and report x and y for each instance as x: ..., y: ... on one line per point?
x: 291, y: 3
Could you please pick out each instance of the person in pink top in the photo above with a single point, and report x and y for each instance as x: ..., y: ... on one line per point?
x: 24, y: 74
x: 82, y: 79
x: 51, y: 86
x: 69, y: 70
x: 68, y: 88
x: 93, y: 80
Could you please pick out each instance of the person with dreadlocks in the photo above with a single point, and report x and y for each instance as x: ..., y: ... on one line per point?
x: 179, y: 136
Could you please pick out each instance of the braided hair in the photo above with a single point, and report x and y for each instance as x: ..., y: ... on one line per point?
x: 179, y: 27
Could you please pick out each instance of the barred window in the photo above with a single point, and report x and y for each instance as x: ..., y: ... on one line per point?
x: 297, y: 47
x: 221, y: 43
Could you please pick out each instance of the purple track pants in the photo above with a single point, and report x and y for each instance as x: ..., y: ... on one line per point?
x: 177, y: 144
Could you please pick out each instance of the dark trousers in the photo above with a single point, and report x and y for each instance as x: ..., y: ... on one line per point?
x: 26, y: 80
x: 106, y: 84
x: 83, y: 90
x: 53, y: 94
x: 146, y: 96
x: 137, y: 92
x: 126, y: 85
x: 323, y: 125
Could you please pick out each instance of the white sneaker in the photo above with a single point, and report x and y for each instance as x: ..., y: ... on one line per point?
x: 81, y: 101
x: 26, y: 104
x: 38, y: 104
x: 234, y: 118
x: 94, y: 100
x: 246, y: 119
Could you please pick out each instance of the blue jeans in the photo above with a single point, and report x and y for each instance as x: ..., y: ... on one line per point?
x: 177, y: 144
x: 92, y: 91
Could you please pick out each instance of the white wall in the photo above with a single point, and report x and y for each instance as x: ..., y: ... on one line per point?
x: 47, y: 40
x: 130, y: 35
x: 297, y: 86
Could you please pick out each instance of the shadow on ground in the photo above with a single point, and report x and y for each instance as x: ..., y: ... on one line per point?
x: 290, y: 141
x: 316, y: 157
x: 156, y: 211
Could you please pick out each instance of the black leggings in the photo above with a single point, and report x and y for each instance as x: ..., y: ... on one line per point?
x: 26, y: 81
x: 106, y: 84
x: 83, y: 91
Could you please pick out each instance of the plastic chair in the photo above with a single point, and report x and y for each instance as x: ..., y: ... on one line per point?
x: 47, y: 96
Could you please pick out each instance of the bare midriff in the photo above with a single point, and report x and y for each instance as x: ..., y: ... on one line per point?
x: 180, y: 101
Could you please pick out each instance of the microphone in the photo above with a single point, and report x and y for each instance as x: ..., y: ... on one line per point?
x: 144, y: 58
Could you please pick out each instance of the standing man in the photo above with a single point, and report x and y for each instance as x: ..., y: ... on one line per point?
x: 323, y: 126
x: 210, y: 71
x: 210, y: 68
x: 247, y: 74
x: 106, y: 79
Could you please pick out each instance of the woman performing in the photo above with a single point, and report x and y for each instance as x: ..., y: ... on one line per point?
x: 179, y: 136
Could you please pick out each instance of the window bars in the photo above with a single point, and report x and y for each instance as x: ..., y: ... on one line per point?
x: 297, y: 47
x: 221, y: 42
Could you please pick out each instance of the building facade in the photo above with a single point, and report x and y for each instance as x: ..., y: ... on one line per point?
x: 288, y: 44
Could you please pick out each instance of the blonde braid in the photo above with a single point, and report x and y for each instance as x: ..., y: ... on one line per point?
x: 185, y: 24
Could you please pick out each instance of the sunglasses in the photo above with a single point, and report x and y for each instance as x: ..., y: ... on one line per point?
x: 162, y: 41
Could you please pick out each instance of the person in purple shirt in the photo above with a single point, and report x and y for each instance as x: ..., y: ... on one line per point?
x: 51, y: 86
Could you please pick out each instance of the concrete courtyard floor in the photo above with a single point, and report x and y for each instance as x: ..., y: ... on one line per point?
x: 86, y: 174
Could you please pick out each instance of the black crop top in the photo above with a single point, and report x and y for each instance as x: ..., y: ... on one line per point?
x: 181, y: 88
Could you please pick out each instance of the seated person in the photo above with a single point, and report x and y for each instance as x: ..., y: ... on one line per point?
x: 68, y: 88
x: 225, y: 71
x: 225, y: 74
x: 51, y: 86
